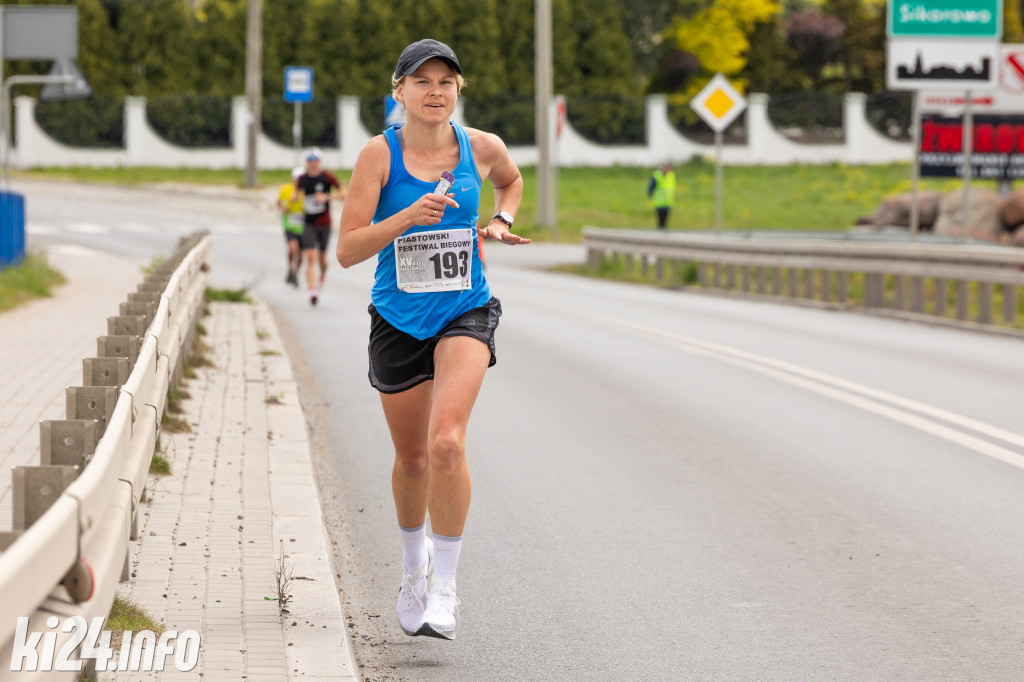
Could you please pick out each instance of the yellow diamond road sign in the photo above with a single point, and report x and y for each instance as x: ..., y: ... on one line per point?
x: 718, y: 103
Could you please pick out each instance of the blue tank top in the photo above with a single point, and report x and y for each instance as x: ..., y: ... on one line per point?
x: 424, y: 314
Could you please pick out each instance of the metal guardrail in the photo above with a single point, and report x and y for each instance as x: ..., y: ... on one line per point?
x: 74, y: 514
x: 966, y: 284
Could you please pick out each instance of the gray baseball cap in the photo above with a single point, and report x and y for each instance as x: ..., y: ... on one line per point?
x: 422, y: 50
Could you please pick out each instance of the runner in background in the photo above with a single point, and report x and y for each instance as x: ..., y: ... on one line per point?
x: 432, y: 317
x: 318, y: 187
x: 293, y: 223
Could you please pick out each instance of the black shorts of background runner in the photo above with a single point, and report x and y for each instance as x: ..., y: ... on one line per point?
x: 290, y: 236
x: 315, y: 237
x: 399, y: 361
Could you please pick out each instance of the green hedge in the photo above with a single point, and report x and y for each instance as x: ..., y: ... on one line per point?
x: 319, y: 119
x: 195, y: 121
x: 96, y: 122
x: 607, y: 119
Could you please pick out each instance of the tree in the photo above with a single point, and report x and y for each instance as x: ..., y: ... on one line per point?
x: 98, y: 51
x: 158, y: 42
x: 1013, y: 31
x: 718, y: 35
x: 220, y: 47
x: 604, y: 60
x: 479, y: 41
x: 770, y: 64
x: 814, y: 37
x: 862, y: 47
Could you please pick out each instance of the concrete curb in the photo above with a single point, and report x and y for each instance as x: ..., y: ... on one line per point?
x: 240, y: 509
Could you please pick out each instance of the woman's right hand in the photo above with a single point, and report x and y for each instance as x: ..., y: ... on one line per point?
x: 429, y: 208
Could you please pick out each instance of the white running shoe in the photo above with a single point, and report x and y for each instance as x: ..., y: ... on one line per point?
x: 412, y: 595
x: 441, y: 617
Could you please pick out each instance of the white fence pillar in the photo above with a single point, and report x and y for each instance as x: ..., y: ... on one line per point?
x: 239, y: 126
x: 352, y: 135
x: 135, y: 130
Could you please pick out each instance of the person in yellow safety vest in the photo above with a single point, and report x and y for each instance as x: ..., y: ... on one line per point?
x: 662, y: 193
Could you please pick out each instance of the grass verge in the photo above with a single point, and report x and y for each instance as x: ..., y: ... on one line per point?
x: 825, y: 197
x: 227, y: 295
x: 30, y: 279
x: 125, y: 615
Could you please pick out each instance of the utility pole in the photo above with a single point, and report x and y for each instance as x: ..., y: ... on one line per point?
x: 253, y: 87
x: 543, y: 86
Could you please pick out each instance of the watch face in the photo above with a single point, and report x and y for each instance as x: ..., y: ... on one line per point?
x: 505, y: 217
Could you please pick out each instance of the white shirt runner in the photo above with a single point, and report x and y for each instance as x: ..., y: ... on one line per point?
x: 441, y: 260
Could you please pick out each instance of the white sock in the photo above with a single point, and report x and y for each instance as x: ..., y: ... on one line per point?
x: 414, y: 547
x: 446, y: 557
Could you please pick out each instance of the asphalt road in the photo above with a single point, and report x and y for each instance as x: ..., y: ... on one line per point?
x: 667, y: 485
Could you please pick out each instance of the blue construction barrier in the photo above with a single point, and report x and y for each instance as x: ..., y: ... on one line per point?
x: 12, y: 228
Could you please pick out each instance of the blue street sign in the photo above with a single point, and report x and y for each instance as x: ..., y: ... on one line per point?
x: 298, y: 84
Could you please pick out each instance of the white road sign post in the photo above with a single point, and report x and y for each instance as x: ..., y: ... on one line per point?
x: 943, y: 45
x: 719, y: 104
x: 298, y: 88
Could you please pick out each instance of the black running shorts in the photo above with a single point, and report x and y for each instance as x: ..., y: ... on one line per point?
x: 315, y: 237
x: 399, y: 361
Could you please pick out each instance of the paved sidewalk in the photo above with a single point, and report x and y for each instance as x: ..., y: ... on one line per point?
x: 241, y: 504
x: 240, y: 508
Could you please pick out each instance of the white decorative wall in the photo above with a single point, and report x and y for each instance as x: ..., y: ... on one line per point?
x: 765, y: 146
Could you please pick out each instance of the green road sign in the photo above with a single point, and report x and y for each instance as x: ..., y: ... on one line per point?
x: 945, y: 18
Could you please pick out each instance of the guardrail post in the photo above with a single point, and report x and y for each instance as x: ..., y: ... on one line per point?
x: 119, y: 346
x: 154, y: 284
x: 139, y: 308
x: 35, y: 489
x: 777, y: 281
x: 940, y: 292
x: 874, y: 290
x: 91, y: 402
x: 702, y: 274
x: 659, y: 268
x: 594, y: 258
x: 792, y: 280
x: 1009, y: 303
x: 105, y: 371
x: 745, y: 277
x: 917, y: 294
x: 962, y: 299
x: 145, y: 296
x: 762, y: 279
x: 131, y: 325
x: 809, y: 283
x: 898, y: 285
x: 67, y: 443
x: 645, y: 264
x: 826, y: 285
x: 842, y: 286
x: 985, y: 302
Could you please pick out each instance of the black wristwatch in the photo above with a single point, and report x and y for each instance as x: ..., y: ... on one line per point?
x: 505, y: 217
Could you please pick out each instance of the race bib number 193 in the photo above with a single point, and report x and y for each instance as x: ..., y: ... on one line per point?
x: 441, y: 260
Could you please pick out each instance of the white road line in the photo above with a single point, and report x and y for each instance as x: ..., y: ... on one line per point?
x: 38, y: 228
x: 849, y: 392
x: 88, y: 228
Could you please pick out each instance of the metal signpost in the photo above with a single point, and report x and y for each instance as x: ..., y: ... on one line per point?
x: 943, y: 45
x: 298, y: 88
x: 29, y: 32
x: 718, y: 103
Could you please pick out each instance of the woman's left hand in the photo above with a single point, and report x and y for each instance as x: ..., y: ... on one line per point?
x: 499, y: 231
